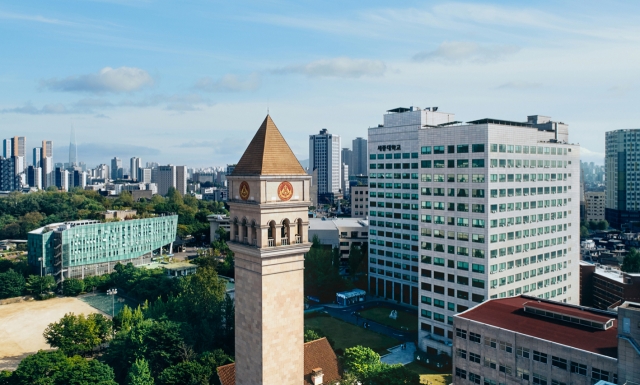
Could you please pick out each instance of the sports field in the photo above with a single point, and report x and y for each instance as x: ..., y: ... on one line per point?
x: 23, y: 324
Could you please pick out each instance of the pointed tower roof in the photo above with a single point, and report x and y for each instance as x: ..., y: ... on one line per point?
x: 268, y: 154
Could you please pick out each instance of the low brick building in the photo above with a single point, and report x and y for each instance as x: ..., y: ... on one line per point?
x: 603, y: 287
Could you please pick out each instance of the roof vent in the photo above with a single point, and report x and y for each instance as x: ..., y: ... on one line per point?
x: 569, y: 314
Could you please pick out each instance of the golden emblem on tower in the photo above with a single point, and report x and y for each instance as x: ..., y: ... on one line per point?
x: 244, y: 191
x: 285, y: 191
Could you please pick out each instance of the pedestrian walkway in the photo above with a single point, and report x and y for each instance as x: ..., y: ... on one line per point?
x: 398, y: 355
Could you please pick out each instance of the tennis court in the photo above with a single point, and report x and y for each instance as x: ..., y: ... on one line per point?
x: 107, y: 304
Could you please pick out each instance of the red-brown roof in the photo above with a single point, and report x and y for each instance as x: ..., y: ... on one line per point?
x: 227, y: 374
x: 317, y: 354
x: 509, y: 314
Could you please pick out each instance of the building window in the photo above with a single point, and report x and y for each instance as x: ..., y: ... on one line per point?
x: 474, y: 378
x: 540, y: 357
x: 474, y: 337
x: 599, y: 374
x: 506, y: 347
x: 461, y: 373
x: 523, y: 352
x: 524, y: 374
x: 558, y: 362
x: 539, y: 379
x: 490, y: 342
x: 505, y: 369
x: 461, y: 353
x: 474, y: 358
x: 461, y: 333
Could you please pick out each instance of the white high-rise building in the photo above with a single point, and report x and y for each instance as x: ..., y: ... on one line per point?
x: 135, y: 164
x: 166, y: 178
x: 116, y: 168
x: 37, y: 156
x: 46, y: 163
x: 464, y: 212
x: 181, y: 179
x: 324, y: 155
x: 144, y: 175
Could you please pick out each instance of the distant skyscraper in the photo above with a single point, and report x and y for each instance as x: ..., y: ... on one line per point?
x: 166, y: 178
x: 181, y: 179
x: 116, y: 168
x: 144, y: 175
x: 135, y: 166
x: 324, y: 155
x: 73, y: 149
x: 37, y: 157
x: 347, y: 158
x: 34, y: 177
x: 7, y: 148
x: 46, y: 163
x: 359, y: 158
x: 622, y: 203
x: 16, y: 146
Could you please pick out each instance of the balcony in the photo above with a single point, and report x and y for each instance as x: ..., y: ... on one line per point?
x: 284, y: 241
x: 272, y: 242
x: 298, y: 239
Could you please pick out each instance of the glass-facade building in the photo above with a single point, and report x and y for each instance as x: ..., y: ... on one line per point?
x: 80, y: 248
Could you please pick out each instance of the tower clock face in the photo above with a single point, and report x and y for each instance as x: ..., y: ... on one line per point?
x: 285, y: 191
x: 244, y: 191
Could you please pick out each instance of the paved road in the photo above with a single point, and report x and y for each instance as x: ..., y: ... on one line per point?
x: 345, y: 314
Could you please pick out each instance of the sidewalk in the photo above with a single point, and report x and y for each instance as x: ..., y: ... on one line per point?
x: 400, y: 356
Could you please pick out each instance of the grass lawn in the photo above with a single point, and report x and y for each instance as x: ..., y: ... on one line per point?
x: 405, y: 321
x: 345, y: 335
x: 428, y: 375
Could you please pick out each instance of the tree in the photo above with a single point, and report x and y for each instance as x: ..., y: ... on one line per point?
x: 355, y: 259
x: 321, y: 276
x: 54, y: 368
x: 631, y: 262
x: 584, y: 232
x: 361, y: 361
x: 187, y: 373
x: 37, y: 284
x: 12, y: 284
x: 72, y: 287
x: 139, y: 373
x: 311, y: 335
x: 365, y: 365
x: 78, y: 334
x: 127, y: 318
x: 603, y: 225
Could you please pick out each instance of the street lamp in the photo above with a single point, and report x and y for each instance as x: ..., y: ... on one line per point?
x: 112, y: 293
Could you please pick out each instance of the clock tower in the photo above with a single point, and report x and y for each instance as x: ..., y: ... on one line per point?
x: 269, y: 200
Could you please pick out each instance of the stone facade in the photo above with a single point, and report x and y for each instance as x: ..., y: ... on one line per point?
x: 269, y: 236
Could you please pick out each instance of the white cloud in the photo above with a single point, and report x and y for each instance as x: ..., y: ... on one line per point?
x: 229, y: 83
x: 461, y: 51
x: 518, y: 85
x: 341, y: 67
x: 123, y: 79
x: 30, y: 109
x: 586, y: 153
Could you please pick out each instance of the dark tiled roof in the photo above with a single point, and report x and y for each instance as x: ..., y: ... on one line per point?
x: 317, y: 354
x: 268, y: 154
x: 509, y: 314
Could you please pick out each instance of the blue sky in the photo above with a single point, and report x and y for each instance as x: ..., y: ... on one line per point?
x: 189, y: 82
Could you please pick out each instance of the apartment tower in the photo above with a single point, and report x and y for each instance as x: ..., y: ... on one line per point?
x: 464, y: 212
x: 269, y: 200
x: 324, y: 156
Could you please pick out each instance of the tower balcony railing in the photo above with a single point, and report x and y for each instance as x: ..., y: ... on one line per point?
x: 236, y: 238
x: 246, y: 240
x: 285, y: 241
x: 254, y: 242
x: 298, y: 239
x: 272, y: 242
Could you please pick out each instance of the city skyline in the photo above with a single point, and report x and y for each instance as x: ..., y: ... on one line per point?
x: 146, y: 89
